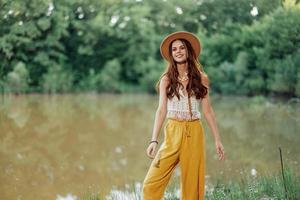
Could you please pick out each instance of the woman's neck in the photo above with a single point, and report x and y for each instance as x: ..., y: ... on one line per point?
x: 182, y: 68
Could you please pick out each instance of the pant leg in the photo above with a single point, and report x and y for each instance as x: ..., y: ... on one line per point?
x: 192, y: 162
x: 164, y: 163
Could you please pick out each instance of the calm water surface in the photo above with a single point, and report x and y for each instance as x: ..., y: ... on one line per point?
x: 70, y: 145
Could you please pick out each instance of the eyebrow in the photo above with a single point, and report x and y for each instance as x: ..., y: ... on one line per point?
x: 179, y: 46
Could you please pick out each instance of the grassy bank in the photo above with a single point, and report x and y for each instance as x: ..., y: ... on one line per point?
x: 268, y: 187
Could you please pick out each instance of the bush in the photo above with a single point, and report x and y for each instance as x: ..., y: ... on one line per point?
x: 17, y: 80
x: 151, y: 71
x: 258, y: 59
x: 90, y: 82
x: 283, y: 77
x: 109, y: 77
x: 57, y: 80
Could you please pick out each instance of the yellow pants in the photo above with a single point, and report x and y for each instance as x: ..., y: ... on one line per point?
x: 184, y: 144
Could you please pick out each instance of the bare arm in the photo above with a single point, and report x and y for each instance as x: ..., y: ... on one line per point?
x: 208, y: 111
x: 210, y: 117
x: 160, y: 116
x: 161, y: 111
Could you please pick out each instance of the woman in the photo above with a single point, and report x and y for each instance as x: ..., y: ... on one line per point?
x: 181, y: 89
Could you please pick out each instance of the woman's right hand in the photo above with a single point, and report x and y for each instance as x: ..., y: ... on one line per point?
x: 151, y: 150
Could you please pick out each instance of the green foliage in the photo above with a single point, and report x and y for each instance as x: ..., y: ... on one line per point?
x: 17, y: 80
x: 150, y: 71
x: 57, y: 80
x: 284, y: 77
x: 265, y: 187
x: 109, y: 77
x: 243, y: 53
x: 259, y: 59
x: 297, y: 88
x: 223, y: 77
x: 90, y: 82
x: 268, y: 186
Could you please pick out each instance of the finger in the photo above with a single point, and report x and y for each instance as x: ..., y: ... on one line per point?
x: 223, y: 152
x: 152, y: 152
x: 149, y: 152
x: 152, y: 156
x: 223, y: 155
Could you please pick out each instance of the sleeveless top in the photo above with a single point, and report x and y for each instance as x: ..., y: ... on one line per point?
x: 179, y: 109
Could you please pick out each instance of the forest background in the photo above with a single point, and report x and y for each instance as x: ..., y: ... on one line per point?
x: 250, y: 47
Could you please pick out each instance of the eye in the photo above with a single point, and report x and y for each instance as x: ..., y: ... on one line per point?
x: 182, y: 47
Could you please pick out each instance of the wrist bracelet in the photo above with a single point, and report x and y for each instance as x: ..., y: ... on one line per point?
x: 153, y: 141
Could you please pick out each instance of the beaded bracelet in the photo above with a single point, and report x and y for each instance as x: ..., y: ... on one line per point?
x: 153, y: 141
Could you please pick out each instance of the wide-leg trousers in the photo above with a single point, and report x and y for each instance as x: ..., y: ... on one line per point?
x: 184, y: 144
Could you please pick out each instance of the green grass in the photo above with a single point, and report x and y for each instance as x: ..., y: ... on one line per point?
x: 269, y: 187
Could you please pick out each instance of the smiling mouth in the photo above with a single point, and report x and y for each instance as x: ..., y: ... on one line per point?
x: 179, y: 56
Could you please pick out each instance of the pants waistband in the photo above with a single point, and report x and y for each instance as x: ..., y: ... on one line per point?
x: 183, y: 121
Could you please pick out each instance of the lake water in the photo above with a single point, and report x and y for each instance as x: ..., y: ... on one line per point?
x: 73, y: 144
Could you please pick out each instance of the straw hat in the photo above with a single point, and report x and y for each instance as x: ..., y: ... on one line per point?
x: 193, y: 39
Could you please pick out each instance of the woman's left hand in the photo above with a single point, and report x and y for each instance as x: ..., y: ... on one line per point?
x: 220, y: 150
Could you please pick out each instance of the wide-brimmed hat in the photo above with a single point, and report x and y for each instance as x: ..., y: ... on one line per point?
x: 193, y: 39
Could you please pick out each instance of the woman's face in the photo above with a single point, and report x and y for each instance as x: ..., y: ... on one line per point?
x: 179, y: 51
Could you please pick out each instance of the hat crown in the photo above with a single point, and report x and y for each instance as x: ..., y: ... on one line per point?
x: 190, y: 37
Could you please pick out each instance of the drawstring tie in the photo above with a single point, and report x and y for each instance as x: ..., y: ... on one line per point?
x: 187, y: 130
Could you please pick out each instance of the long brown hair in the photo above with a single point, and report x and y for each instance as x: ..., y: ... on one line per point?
x: 195, y: 86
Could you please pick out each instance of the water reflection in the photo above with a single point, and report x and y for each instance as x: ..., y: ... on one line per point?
x: 67, y: 197
x: 64, y: 146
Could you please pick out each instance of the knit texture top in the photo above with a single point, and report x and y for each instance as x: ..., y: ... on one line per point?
x: 179, y: 109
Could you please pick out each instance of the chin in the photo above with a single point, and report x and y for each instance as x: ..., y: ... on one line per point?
x: 184, y: 60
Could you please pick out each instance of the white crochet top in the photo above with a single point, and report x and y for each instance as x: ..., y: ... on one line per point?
x: 179, y: 109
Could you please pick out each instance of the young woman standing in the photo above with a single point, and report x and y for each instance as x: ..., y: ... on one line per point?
x: 182, y: 87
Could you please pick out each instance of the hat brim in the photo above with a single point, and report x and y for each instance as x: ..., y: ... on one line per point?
x: 193, y: 39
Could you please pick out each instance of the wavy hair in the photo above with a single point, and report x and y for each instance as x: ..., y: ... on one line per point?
x: 194, y: 86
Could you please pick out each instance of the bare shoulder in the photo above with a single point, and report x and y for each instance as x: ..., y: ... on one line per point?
x: 205, y: 79
x: 164, y: 81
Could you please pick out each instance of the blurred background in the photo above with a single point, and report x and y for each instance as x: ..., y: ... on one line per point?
x: 78, y: 99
